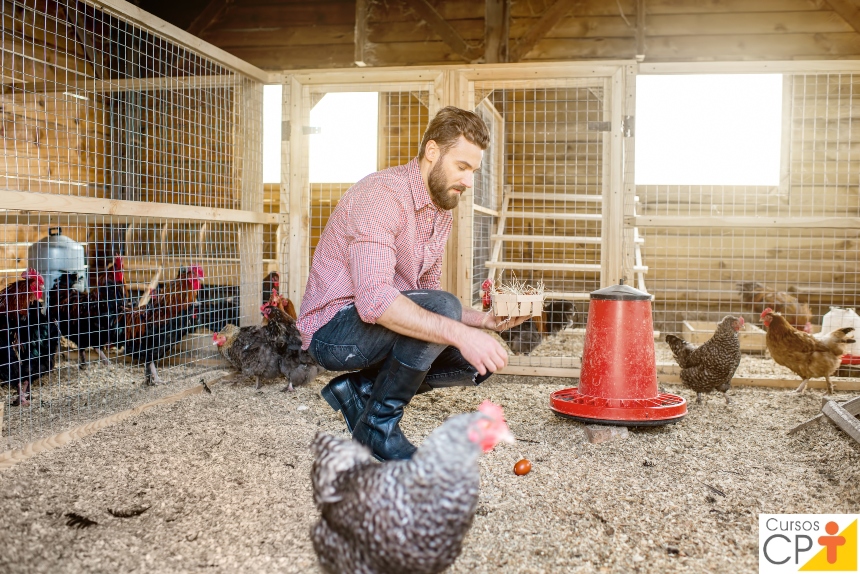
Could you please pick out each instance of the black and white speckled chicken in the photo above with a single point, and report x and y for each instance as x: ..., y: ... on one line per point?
x: 402, y: 515
x: 268, y: 351
x: 711, y: 365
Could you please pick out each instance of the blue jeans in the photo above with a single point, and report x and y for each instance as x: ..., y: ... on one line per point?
x: 346, y: 343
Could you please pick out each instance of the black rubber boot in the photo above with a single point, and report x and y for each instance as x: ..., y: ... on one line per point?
x: 348, y: 393
x: 379, y: 425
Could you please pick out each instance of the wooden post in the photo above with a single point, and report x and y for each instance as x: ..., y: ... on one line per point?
x: 247, y: 170
x: 612, y: 228
x: 360, y: 32
x: 496, y: 31
x: 640, y: 30
x: 298, y: 192
x: 282, y: 239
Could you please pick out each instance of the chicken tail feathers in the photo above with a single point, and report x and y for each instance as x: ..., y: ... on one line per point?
x: 681, y: 349
x: 332, y: 457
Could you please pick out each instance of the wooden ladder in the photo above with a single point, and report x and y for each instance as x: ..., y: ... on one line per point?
x: 499, y: 238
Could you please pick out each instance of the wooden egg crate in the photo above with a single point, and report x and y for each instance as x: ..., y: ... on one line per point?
x: 752, y: 338
x: 510, y: 305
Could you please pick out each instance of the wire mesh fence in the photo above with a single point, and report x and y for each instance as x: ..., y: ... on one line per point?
x: 120, y: 145
x: 718, y: 250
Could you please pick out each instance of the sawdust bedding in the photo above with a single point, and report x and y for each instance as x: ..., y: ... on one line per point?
x: 220, y: 483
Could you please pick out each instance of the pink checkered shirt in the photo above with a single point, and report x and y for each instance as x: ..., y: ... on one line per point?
x: 385, y: 236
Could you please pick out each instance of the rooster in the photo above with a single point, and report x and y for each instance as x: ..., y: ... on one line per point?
x: 761, y: 296
x: 713, y: 364
x: 16, y: 298
x: 524, y: 338
x: 220, y: 305
x: 404, y: 515
x: 268, y: 351
x: 151, y: 332
x: 89, y: 319
x: 808, y: 356
x: 28, y: 341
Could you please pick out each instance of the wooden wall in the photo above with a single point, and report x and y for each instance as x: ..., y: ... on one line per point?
x: 291, y: 34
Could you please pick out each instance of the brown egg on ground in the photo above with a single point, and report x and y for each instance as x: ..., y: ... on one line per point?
x: 522, y: 467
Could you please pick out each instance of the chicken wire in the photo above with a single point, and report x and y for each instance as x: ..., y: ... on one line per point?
x: 792, y: 246
x: 98, y: 108
x: 538, y: 200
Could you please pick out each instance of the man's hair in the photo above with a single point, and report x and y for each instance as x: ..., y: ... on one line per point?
x: 451, y: 123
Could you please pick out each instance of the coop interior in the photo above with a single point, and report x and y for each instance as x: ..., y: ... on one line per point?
x: 164, y: 173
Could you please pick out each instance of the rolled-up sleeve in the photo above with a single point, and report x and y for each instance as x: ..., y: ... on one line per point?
x: 377, y: 218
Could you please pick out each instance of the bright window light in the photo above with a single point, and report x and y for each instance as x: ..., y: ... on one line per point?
x: 272, y: 134
x: 723, y: 129
x: 345, y: 149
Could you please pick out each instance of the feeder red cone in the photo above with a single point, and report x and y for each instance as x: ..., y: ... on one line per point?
x: 618, y: 379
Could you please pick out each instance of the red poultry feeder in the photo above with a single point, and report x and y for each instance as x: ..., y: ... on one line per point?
x: 618, y: 380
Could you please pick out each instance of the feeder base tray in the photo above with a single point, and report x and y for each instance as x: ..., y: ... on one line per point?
x: 663, y: 409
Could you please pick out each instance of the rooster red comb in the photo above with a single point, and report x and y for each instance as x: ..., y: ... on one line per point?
x: 492, y: 410
x: 30, y: 274
x: 117, y: 263
x: 196, y: 271
x: 767, y: 311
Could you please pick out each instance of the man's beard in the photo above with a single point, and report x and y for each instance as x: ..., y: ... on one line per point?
x: 439, y: 188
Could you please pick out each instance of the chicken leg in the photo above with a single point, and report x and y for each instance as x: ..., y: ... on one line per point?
x: 23, y: 397
x: 830, y: 387
x: 152, y: 377
x: 802, y: 386
x: 103, y: 357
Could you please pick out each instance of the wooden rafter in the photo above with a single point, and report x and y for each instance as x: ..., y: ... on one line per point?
x: 360, y: 32
x: 539, y: 29
x: 208, y: 16
x: 640, y: 30
x: 848, y: 10
x: 444, y: 30
x: 496, y: 31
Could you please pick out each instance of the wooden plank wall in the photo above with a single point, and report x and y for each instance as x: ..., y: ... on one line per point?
x: 293, y: 34
x: 694, y: 272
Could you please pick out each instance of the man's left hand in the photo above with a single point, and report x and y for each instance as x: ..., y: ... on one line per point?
x: 499, y: 324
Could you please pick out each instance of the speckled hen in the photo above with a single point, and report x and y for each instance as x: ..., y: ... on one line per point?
x: 402, y: 515
x: 711, y: 365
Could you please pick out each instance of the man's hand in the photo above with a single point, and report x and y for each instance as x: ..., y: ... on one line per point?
x: 499, y: 324
x: 482, y: 351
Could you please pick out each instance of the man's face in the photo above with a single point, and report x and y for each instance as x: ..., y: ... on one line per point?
x: 453, y: 173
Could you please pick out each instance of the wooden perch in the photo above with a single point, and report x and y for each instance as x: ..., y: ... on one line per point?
x: 843, y: 419
x: 852, y: 407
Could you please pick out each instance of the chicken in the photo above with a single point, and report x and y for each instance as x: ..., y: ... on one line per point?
x: 761, y: 296
x: 89, y: 319
x: 808, y: 356
x: 16, y: 298
x: 402, y: 515
x: 220, y: 305
x: 151, y: 332
x: 525, y: 337
x: 713, y: 364
x: 268, y: 351
x: 19, y: 343
x: 28, y: 350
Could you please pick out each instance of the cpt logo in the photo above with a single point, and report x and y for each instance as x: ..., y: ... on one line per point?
x: 807, y: 543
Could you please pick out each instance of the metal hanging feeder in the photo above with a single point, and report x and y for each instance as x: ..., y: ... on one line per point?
x: 618, y: 380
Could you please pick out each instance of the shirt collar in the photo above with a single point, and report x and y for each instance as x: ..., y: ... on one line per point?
x: 420, y: 195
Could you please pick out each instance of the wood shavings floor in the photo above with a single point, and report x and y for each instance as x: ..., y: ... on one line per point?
x: 225, y: 480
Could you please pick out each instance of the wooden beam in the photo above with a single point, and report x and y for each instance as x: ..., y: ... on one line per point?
x: 746, y: 222
x: 848, y: 10
x: 208, y: 16
x: 10, y: 458
x: 360, y: 32
x: 497, y: 23
x: 448, y: 34
x: 539, y: 29
x: 843, y: 419
x: 852, y: 406
x: 24, y: 201
x: 640, y: 30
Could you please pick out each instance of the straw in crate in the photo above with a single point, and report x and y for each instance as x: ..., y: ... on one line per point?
x: 517, y: 299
